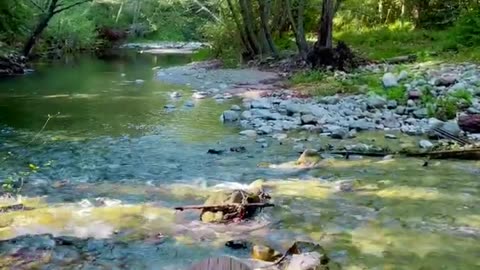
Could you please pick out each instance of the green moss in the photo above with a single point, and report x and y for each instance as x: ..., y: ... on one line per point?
x: 398, y: 94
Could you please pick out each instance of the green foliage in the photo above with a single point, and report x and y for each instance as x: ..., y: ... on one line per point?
x: 309, y: 76
x: 446, y: 108
x: 463, y: 96
x: 398, y: 94
x: 224, y: 41
x: 70, y: 31
x: 467, y: 28
x: 202, y: 55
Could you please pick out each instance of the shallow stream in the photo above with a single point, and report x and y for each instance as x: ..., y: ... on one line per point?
x: 109, y: 164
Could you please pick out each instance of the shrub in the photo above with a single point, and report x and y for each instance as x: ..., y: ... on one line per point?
x: 467, y: 28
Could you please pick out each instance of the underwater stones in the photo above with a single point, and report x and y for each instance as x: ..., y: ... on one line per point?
x: 174, y: 95
x: 260, y: 104
x: 264, y: 253
x: 200, y: 95
x: 230, y: 116
x: 392, y: 104
x: 246, y: 115
x: 235, y: 108
x: 248, y: 133
x: 263, y: 130
x: 390, y: 136
x: 309, y: 158
x: 189, y: 104
x: 305, y: 261
x: 339, y: 133
x: 169, y: 106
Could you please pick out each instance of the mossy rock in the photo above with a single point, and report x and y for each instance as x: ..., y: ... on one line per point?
x: 309, y: 158
x: 231, y: 197
x: 265, y: 253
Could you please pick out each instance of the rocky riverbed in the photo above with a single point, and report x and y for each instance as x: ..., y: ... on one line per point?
x: 341, y: 116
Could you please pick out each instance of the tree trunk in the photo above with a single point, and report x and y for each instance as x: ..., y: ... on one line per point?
x: 298, y: 28
x: 248, y: 23
x: 243, y: 36
x: 32, y: 40
x: 42, y: 24
x: 325, y: 30
x: 264, y: 8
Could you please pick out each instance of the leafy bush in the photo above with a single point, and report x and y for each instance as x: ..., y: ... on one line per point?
x: 467, y: 28
x: 463, y: 96
x: 224, y: 42
x: 70, y: 31
x: 446, y: 108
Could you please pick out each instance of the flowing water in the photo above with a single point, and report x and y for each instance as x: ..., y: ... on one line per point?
x: 103, y: 173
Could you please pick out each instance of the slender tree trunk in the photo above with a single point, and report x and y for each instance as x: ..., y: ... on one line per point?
x: 325, y: 31
x: 243, y: 36
x: 264, y: 8
x: 297, y: 26
x: 248, y: 23
x: 32, y: 40
x: 42, y: 24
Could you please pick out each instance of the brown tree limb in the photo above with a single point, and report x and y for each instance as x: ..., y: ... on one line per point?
x: 220, y: 207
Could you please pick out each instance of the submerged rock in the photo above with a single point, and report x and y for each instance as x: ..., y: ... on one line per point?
x: 230, y: 116
x: 425, y: 144
x: 309, y: 158
x: 248, y: 133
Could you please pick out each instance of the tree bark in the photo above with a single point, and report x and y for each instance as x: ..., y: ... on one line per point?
x: 54, y: 7
x: 243, y: 36
x: 325, y: 30
x: 248, y: 23
x: 264, y: 8
x: 298, y: 27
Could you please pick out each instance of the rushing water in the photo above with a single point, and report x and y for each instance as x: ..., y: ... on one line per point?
x: 109, y: 136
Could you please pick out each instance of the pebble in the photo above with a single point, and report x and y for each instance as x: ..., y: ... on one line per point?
x: 390, y: 136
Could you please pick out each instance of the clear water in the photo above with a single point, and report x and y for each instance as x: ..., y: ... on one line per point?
x: 114, y: 139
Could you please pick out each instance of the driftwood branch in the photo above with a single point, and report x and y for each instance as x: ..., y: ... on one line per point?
x: 14, y: 207
x: 220, y: 207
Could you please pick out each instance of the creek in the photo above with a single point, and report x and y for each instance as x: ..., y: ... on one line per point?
x: 106, y: 169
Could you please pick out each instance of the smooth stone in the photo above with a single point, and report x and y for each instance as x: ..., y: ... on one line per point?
x: 260, y: 104
x: 263, y: 130
x: 400, y: 110
x: 452, y: 127
x: 246, y: 115
x: 389, y: 80
x: 235, y: 108
x: 403, y: 75
x: 339, y: 133
x: 139, y: 81
x: 189, y: 104
x: 376, y: 102
x: 230, y: 116
x: 200, y: 95
x: 175, y: 95
x: 308, y: 119
x: 414, y: 94
x: 329, y: 100
x: 280, y: 136
x: 261, y: 140
x: 248, y: 133
x: 169, y: 106
x: 264, y: 145
x: 390, y: 136
x: 421, y: 113
x: 446, y: 80
x: 362, y: 125
x: 411, y: 103
x: 352, y: 134
x: 425, y: 144
x: 392, y: 104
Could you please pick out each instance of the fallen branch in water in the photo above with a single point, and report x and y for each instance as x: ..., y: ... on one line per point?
x: 221, y: 207
x: 14, y: 207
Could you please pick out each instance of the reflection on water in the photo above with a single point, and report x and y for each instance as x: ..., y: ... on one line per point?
x: 114, y: 140
x: 110, y: 96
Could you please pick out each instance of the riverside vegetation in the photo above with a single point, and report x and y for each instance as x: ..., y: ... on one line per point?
x: 114, y: 127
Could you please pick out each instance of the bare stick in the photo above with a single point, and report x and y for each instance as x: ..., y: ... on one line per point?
x: 220, y: 206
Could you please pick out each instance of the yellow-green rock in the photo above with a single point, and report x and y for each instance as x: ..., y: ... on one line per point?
x: 309, y: 158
